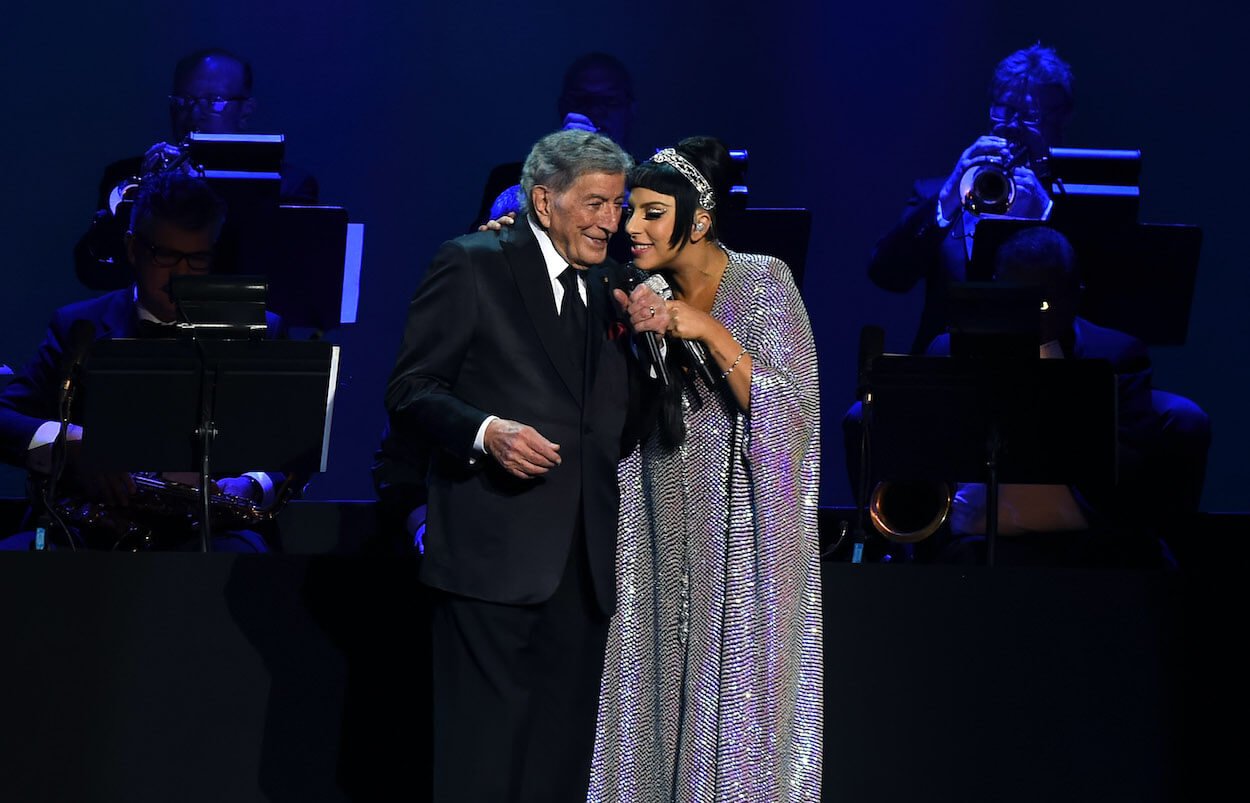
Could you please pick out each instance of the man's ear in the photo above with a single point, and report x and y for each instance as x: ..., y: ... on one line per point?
x: 249, y: 106
x: 129, y: 240
x: 541, y: 201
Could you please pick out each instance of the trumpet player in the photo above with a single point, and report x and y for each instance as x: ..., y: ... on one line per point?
x: 1030, y: 102
x: 211, y: 93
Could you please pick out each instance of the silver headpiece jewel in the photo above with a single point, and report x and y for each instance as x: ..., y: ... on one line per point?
x: 669, y: 156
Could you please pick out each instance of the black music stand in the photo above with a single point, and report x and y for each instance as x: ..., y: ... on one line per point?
x: 993, y: 319
x: 220, y: 306
x: 991, y: 420
x: 782, y: 233
x: 208, y: 405
x: 304, y: 252
x: 299, y: 250
x: 1139, y: 277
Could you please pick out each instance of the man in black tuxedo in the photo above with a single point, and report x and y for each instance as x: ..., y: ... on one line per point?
x: 517, y: 372
x: 1030, y: 102
x: 173, y: 228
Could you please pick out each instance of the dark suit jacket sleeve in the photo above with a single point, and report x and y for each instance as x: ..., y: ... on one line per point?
x: 31, y: 398
x: 911, y: 250
x: 441, y: 319
x: 501, y: 178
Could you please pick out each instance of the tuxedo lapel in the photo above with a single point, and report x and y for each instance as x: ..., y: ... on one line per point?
x: 525, y: 260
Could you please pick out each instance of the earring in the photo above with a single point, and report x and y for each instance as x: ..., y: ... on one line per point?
x: 698, y: 227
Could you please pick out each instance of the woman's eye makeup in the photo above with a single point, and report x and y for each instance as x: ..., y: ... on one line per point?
x: 654, y: 213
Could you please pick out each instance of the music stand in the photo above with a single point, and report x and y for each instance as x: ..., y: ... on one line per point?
x: 1094, y: 183
x: 220, y: 306
x: 208, y: 405
x: 993, y: 319
x: 1139, y: 278
x: 991, y: 420
x: 782, y: 233
x: 302, y: 250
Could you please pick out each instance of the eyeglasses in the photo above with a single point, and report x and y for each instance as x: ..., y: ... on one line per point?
x: 198, y: 261
x: 1002, y: 113
x: 216, y: 104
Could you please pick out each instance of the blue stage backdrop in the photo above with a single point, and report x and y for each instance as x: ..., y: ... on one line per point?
x: 400, y: 109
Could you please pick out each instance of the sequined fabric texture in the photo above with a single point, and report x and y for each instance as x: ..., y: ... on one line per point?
x: 712, y: 685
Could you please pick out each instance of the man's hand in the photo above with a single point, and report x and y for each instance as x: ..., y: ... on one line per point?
x: 520, y: 449
x: 498, y: 223
x: 1031, y: 195
x: 646, y: 310
x: 242, y: 487
x: 112, y: 488
x: 578, y: 122
x: 159, y: 157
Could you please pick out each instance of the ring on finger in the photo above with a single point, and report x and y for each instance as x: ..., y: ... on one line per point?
x: 652, y: 311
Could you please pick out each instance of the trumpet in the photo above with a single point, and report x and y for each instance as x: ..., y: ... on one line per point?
x: 127, y: 188
x: 987, y: 187
x: 911, y: 511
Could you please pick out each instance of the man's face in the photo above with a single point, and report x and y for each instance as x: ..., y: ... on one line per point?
x: 212, y: 100
x: 601, y: 94
x: 1025, y: 112
x: 582, y: 218
x: 160, y: 250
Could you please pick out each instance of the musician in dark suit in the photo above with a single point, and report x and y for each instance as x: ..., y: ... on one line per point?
x: 1030, y: 102
x: 515, y: 368
x: 211, y: 94
x: 174, y: 225
x: 1160, y: 471
x: 597, y: 94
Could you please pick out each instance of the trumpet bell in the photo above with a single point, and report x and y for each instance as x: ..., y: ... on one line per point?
x: 910, y: 511
x: 987, y: 187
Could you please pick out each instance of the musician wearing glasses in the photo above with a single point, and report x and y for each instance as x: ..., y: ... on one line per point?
x: 175, y: 223
x: 211, y: 94
x: 1030, y: 102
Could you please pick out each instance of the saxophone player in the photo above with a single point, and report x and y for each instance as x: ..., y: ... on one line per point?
x: 174, y: 226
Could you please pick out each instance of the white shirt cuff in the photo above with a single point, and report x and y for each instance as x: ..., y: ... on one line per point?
x: 266, y: 485
x: 48, y: 431
x: 479, y: 443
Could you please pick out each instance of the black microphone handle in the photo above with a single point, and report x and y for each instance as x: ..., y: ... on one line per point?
x: 698, y: 355
x: 654, y: 339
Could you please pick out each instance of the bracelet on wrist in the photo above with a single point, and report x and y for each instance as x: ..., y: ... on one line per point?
x: 737, y: 360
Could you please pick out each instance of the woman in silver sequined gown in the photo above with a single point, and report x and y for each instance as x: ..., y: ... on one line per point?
x: 712, y: 687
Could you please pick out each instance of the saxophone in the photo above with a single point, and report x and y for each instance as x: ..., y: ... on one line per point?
x: 159, y: 508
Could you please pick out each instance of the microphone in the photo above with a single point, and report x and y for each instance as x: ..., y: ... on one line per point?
x: 871, y: 346
x: 636, y: 276
x: 81, y: 336
x: 694, y: 349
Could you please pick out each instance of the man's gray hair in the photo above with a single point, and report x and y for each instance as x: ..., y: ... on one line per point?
x: 559, y: 159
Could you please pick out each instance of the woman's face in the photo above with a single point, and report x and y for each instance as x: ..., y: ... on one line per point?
x: 650, y: 228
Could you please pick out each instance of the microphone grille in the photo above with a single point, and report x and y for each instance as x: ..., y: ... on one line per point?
x: 660, y: 286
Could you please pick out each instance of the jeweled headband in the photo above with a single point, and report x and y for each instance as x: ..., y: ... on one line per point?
x: 669, y: 156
